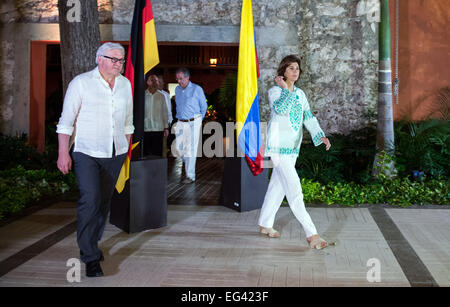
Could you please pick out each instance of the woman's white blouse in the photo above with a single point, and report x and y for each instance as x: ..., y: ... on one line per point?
x: 98, y: 115
x: 289, y: 112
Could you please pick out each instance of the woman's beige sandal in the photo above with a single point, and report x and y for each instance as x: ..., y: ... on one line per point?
x: 270, y: 232
x: 318, y: 243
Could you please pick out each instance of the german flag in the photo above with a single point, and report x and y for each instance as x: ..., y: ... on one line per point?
x: 142, y: 56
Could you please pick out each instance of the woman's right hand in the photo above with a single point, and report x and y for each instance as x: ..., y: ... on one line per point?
x: 280, y: 81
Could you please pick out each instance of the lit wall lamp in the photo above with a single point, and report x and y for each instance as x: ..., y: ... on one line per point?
x: 213, y: 61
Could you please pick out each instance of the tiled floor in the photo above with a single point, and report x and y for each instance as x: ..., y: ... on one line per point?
x: 216, y: 246
x: 428, y: 232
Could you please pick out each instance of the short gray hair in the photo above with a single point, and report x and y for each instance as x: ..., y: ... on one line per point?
x: 108, y: 46
x: 184, y: 70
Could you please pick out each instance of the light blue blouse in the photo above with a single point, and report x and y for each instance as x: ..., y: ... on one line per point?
x: 289, y: 112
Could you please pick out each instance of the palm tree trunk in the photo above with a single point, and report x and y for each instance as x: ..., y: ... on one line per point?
x: 383, y: 162
x: 80, y: 37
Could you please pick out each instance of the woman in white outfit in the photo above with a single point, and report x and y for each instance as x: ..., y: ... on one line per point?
x: 289, y: 112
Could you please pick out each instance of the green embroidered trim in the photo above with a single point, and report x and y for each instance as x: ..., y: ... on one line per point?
x: 295, y: 115
x: 290, y: 102
x: 283, y: 150
x: 307, y: 115
x: 316, y: 139
x: 282, y: 104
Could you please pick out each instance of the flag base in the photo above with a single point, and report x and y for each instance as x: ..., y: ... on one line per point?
x: 142, y: 205
x: 241, y: 190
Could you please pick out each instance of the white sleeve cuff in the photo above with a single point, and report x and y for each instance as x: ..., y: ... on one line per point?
x: 129, y: 129
x: 61, y: 129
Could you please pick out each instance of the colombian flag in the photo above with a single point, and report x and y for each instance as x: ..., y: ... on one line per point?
x: 142, y: 56
x: 247, y: 101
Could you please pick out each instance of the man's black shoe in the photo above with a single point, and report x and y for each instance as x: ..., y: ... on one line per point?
x: 93, y: 269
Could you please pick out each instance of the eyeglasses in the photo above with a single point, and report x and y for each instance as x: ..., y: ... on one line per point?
x: 114, y: 60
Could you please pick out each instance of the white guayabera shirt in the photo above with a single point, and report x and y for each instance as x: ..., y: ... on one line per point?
x: 155, y: 115
x: 289, y: 112
x: 169, y: 106
x: 98, y: 115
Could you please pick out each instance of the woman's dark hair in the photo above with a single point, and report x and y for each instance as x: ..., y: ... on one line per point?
x: 285, y: 62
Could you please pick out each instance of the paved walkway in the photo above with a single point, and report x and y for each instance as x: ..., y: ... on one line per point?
x: 216, y: 246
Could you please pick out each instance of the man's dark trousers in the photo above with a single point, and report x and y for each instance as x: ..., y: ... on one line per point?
x: 96, y: 180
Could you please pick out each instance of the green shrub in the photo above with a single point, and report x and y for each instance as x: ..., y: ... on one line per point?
x: 398, y: 192
x: 423, y: 146
x: 349, y: 159
x: 15, y: 150
x: 320, y: 165
x: 20, y: 187
x: 227, y: 97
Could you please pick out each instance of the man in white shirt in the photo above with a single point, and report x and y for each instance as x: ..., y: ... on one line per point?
x: 156, y: 126
x: 166, y: 141
x: 98, y: 114
x: 167, y: 96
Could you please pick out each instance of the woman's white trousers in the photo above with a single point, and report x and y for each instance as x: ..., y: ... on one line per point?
x: 285, y: 182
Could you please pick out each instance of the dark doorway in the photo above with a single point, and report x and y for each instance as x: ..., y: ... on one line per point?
x: 209, y: 65
x: 54, y: 93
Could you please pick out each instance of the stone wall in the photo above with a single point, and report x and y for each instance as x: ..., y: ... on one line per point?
x: 340, y: 52
x: 338, y: 44
x: 6, y: 82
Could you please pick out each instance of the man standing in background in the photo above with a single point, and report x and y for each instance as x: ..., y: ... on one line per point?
x: 191, y: 109
x: 168, y: 139
x: 156, y: 127
x: 167, y: 96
